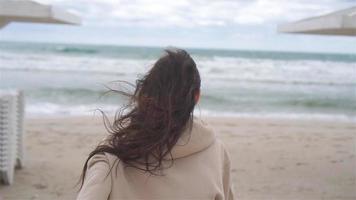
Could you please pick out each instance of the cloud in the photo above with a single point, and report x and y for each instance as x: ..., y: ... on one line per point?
x: 193, y: 13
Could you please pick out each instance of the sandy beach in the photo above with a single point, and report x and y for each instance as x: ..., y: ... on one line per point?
x: 272, y: 158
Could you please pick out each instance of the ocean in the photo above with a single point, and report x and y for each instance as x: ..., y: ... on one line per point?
x: 70, y: 79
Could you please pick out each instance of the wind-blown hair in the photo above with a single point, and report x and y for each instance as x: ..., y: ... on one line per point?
x: 158, y: 112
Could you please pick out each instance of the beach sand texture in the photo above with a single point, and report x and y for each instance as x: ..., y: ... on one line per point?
x: 271, y: 158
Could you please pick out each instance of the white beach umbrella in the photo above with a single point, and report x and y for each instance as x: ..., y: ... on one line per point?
x: 342, y: 22
x: 31, y: 11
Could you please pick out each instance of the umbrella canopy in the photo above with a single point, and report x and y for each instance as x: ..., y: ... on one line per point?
x: 30, y: 11
x: 342, y: 22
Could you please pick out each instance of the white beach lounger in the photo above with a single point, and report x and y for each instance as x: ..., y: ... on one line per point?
x: 11, y: 134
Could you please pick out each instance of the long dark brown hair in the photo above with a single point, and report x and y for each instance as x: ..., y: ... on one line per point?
x: 144, y: 132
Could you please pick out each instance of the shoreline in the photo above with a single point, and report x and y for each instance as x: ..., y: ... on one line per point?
x: 271, y: 158
x: 274, y: 116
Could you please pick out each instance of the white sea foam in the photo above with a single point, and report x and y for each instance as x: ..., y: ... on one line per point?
x: 56, y: 110
x: 217, y: 68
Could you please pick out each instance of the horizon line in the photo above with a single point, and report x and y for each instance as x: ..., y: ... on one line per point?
x: 184, y: 47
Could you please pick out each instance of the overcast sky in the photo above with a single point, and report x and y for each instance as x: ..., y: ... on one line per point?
x: 227, y: 24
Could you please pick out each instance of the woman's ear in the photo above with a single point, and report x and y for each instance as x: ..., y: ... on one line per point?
x: 196, y: 96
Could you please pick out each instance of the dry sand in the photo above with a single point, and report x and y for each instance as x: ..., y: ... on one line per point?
x: 272, y: 158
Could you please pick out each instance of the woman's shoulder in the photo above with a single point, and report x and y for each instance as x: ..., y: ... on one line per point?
x: 208, y: 131
x: 104, y: 159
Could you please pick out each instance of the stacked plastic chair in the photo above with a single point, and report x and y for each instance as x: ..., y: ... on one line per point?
x: 8, y: 136
x: 11, y: 134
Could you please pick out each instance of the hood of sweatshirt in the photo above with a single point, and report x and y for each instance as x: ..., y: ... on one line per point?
x: 194, y: 140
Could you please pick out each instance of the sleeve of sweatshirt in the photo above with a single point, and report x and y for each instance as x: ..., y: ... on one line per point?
x: 227, y: 180
x: 97, y: 182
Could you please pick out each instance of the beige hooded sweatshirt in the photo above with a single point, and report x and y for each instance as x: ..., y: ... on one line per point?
x: 201, y: 171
